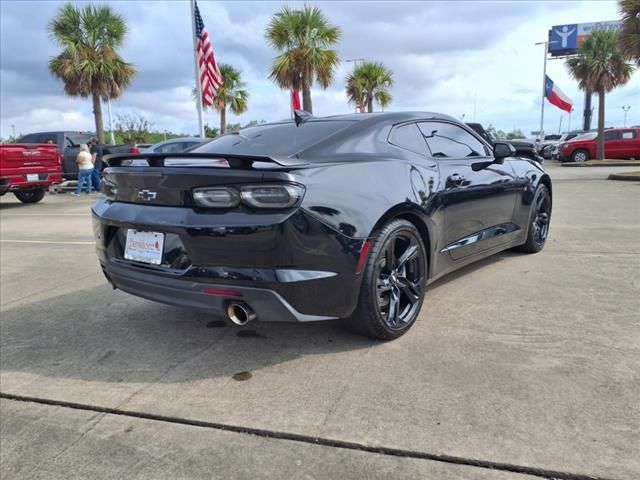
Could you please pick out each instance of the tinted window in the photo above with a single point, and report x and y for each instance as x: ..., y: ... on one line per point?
x: 409, y: 138
x: 174, y: 147
x: 31, y: 138
x: 78, y: 138
x: 450, y: 141
x: 274, y: 139
x: 611, y: 135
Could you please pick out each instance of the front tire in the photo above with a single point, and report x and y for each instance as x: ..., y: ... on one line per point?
x: 580, y: 156
x: 30, y: 196
x: 539, y: 222
x: 393, y: 283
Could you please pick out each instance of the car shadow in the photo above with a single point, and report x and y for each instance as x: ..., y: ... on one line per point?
x: 103, y: 335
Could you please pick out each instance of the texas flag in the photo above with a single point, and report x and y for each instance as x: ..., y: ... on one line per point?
x: 556, y: 97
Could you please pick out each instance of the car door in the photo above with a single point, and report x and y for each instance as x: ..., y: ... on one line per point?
x: 478, y: 205
x: 611, y: 143
x: 628, y: 144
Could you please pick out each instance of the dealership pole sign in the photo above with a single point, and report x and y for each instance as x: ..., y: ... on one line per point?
x: 566, y: 39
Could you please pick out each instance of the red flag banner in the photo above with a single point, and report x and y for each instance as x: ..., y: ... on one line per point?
x: 295, y: 100
x: 210, y: 76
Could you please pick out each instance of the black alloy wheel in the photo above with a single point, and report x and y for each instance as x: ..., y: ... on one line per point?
x: 30, y: 196
x: 540, y: 221
x: 393, y: 284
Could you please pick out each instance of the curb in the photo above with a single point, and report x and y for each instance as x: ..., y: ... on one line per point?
x: 605, y: 163
x: 628, y: 178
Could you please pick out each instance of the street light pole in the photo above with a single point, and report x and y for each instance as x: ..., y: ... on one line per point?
x: 626, y: 109
x: 13, y: 129
x: 355, y: 65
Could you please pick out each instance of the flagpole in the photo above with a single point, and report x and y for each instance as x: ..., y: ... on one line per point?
x: 197, y: 70
x: 544, y: 83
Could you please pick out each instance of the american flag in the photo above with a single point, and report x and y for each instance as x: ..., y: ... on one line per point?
x: 210, y: 76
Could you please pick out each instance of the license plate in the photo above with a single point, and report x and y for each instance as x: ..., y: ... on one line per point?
x: 144, y: 247
x: 32, y: 177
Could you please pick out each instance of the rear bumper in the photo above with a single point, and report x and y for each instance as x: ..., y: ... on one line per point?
x: 268, y: 304
x: 287, y: 267
x: 12, y: 183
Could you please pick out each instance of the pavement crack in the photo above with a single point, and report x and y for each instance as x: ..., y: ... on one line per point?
x: 308, y: 439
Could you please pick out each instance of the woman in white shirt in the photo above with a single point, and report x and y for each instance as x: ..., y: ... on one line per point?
x: 84, y: 160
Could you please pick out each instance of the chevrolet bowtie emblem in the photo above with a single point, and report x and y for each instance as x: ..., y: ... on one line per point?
x: 147, y: 195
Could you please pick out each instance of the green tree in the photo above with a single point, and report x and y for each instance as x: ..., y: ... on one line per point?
x: 600, y: 67
x: 304, y: 38
x: 132, y: 129
x: 231, y: 94
x: 368, y: 82
x: 629, y: 34
x: 89, y: 64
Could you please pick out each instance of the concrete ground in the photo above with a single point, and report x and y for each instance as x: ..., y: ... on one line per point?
x: 519, y: 367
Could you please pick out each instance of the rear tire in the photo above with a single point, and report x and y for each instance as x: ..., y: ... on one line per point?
x: 539, y: 221
x: 30, y: 196
x: 580, y: 156
x: 393, y: 283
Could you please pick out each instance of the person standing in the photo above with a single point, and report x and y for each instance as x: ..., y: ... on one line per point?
x: 96, y: 154
x: 84, y: 160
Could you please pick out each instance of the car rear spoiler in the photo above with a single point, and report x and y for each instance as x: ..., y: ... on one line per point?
x: 235, y: 161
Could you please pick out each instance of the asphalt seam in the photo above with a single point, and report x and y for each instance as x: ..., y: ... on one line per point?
x: 307, y: 439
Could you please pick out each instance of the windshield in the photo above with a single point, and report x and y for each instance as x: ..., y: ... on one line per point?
x: 585, y: 136
x: 280, y: 139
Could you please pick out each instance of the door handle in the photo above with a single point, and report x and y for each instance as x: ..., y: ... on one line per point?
x: 455, y: 180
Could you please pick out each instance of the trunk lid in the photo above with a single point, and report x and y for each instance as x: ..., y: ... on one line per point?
x: 168, y: 179
x: 22, y: 159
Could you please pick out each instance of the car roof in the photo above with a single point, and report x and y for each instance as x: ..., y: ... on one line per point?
x: 372, y: 118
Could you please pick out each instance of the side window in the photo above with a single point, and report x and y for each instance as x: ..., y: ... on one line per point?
x: 409, y: 138
x: 628, y: 135
x: 171, y: 148
x: 450, y: 141
x: 611, y: 135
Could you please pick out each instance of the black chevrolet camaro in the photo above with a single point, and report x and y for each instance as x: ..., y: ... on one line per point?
x: 346, y: 217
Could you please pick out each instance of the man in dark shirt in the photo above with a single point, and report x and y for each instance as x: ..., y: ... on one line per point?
x: 96, y: 152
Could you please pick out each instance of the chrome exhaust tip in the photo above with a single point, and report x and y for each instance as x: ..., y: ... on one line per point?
x: 240, y: 313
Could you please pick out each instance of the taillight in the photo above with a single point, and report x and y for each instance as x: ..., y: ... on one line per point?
x: 134, y: 149
x: 274, y: 196
x: 109, y: 189
x: 216, y: 197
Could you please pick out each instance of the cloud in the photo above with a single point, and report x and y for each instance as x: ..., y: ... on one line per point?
x: 453, y: 57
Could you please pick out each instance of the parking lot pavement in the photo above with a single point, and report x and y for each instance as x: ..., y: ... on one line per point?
x: 58, y: 443
x: 530, y: 361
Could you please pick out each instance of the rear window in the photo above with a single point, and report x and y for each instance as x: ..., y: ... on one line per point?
x: 78, y: 138
x: 281, y: 139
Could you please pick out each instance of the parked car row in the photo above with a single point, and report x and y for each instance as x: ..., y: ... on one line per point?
x: 623, y: 143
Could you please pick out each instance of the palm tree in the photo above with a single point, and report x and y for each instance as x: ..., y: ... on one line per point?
x: 305, y: 38
x: 600, y: 67
x: 231, y: 94
x: 89, y: 64
x: 368, y: 82
x: 629, y: 34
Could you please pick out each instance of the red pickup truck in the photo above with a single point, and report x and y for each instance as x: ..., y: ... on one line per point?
x: 618, y: 143
x: 27, y: 170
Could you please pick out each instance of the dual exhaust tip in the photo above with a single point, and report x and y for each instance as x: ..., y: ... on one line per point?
x: 240, y: 313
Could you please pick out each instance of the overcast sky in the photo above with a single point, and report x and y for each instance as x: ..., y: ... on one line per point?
x: 443, y: 56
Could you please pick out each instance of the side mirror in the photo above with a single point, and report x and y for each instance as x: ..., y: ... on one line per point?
x: 503, y: 150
